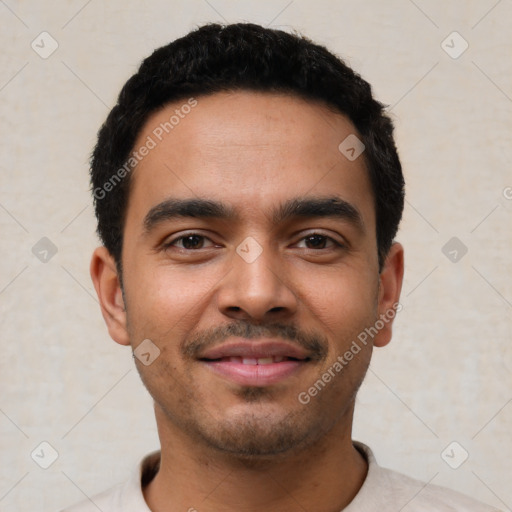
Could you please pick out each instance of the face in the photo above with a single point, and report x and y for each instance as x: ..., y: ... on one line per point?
x: 250, y: 263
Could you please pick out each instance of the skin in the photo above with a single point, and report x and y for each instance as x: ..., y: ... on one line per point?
x: 226, y: 446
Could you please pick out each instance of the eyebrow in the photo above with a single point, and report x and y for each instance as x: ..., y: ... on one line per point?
x: 172, y: 209
x: 334, y: 207
x: 321, y: 207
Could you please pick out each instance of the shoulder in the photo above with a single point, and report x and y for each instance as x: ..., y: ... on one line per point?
x: 420, y: 496
x: 385, y: 490
x: 124, y: 497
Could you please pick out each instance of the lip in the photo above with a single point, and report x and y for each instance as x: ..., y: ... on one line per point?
x: 259, y: 375
x: 216, y: 359
x: 255, y: 349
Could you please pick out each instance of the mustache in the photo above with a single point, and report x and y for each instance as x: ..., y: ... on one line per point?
x: 314, y: 343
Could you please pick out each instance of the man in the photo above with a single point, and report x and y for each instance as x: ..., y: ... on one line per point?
x: 248, y: 192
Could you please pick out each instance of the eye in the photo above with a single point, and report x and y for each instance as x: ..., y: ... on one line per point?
x: 319, y: 241
x: 191, y: 241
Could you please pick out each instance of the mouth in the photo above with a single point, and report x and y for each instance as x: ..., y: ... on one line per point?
x: 254, y: 360
x: 256, y: 364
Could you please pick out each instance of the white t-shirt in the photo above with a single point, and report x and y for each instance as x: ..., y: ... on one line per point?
x: 383, y: 490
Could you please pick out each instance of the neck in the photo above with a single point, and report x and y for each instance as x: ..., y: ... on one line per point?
x: 324, y: 477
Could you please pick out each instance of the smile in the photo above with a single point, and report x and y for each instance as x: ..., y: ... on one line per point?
x: 254, y: 361
x: 249, y: 362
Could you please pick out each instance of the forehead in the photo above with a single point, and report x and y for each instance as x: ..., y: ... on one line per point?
x: 246, y: 148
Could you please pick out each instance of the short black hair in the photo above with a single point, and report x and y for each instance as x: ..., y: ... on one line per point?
x: 242, y: 56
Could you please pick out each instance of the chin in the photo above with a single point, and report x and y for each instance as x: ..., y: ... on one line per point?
x: 253, y: 438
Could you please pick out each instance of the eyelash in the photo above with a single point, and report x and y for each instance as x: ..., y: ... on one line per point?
x: 172, y: 243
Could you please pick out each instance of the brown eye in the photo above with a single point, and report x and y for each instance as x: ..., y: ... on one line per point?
x: 316, y: 241
x: 319, y: 242
x: 190, y: 242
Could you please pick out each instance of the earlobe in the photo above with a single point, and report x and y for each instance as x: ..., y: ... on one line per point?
x: 108, y: 288
x: 391, y: 278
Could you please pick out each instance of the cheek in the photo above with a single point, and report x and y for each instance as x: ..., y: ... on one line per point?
x: 169, y: 296
x: 161, y: 299
x: 343, y: 302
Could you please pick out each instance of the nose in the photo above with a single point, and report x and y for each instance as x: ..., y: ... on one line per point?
x: 257, y: 289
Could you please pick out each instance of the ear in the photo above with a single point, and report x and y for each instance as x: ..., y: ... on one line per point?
x: 108, y: 288
x: 390, y: 286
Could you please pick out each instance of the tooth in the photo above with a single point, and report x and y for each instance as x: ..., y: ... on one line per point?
x: 265, y: 360
x: 249, y: 360
x: 235, y: 359
x: 278, y: 359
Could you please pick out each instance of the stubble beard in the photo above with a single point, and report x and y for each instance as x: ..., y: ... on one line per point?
x: 252, y: 438
x: 256, y: 439
x: 259, y: 439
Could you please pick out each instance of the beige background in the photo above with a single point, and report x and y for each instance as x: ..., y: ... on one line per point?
x: 447, y: 374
